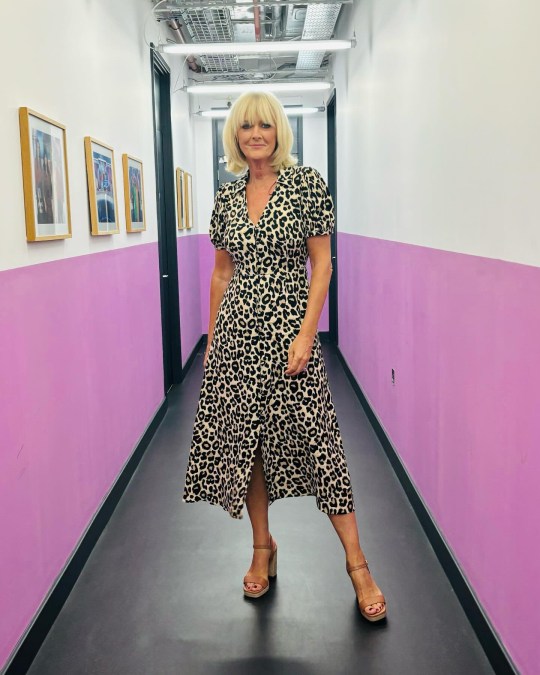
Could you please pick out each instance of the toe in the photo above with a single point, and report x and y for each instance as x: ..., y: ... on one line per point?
x: 254, y: 588
x: 374, y: 609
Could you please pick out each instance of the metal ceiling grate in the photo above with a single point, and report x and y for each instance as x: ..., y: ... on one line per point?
x: 212, y: 25
x: 319, y: 25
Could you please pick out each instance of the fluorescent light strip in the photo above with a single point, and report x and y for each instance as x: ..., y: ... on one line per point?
x: 290, y: 110
x: 257, y: 47
x: 238, y: 88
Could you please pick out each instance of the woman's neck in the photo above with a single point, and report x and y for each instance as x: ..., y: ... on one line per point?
x: 261, y: 172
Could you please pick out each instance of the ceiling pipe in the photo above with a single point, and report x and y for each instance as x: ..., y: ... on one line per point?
x: 257, y: 19
x: 191, y: 60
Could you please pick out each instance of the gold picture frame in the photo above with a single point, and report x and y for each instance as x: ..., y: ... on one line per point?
x: 180, y: 200
x: 102, y: 194
x: 188, y: 200
x: 134, y: 194
x: 45, y: 177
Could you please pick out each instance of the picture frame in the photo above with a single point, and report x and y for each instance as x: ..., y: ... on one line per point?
x: 101, y: 187
x: 134, y: 194
x: 188, y: 200
x: 45, y: 177
x: 180, y: 198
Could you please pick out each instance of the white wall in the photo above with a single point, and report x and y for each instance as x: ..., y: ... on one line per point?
x: 438, y: 132
x: 204, y: 162
x: 183, y: 133
x: 53, y: 62
x: 315, y: 144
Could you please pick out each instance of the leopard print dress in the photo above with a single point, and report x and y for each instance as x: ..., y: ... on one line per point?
x: 246, y: 398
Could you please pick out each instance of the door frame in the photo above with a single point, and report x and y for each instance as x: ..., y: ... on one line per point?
x: 333, y: 332
x: 166, y: 222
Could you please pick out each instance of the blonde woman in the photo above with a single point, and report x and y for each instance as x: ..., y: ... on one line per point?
x: 266, y: 426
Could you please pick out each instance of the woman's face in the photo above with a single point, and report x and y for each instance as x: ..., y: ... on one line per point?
x: 257, y: 141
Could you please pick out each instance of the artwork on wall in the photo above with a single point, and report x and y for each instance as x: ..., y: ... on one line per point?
x: 101, y: 187
x: 188, y: 200
x: 180, y: 201
x: 184, y: 199
x: 45, y: 177
x: 134, y: 194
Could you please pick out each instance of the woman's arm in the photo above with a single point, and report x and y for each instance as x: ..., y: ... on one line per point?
x: 221, y: 276
x: 321, y: 272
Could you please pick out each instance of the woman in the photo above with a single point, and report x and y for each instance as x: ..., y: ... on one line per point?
x: 266, y: 426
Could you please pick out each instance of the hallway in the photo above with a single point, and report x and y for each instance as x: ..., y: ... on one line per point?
x: 161, y: 593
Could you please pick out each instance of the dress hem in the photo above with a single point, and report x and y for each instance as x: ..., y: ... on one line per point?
x: 328, y: 511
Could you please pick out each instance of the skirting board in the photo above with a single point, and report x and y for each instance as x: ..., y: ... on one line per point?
x: 200, y: 344
x: 488, y: 638
x: 36, y: 633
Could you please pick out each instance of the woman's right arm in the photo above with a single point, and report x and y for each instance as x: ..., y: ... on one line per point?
x: 221, y: 276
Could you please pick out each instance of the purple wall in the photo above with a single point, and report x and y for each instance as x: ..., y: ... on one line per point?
x: 206, y: 257
x: 463, y: 335
x: 81, y: 376
x: 189, y: 292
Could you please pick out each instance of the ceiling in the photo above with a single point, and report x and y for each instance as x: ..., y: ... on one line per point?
x: 251, y: 21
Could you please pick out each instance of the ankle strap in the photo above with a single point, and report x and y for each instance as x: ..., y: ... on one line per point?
x: 268, y: 546
x: 358, y: 567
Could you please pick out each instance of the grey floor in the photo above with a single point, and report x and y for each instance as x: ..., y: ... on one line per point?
x: 161, y: 593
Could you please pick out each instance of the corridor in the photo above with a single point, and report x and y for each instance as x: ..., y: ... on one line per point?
x: 161, y: 593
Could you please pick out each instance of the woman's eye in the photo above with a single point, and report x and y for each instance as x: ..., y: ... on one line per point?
x: 246, y: 125
x: 265, y: 125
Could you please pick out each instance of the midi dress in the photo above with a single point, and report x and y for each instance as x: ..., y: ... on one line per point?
x: 246, y: 400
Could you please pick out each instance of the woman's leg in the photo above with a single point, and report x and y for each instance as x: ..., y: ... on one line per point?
x: 257, y: 507
x: 364, y: 585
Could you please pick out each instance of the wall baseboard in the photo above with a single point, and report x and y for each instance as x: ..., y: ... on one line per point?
x: 200, y: 343
x: 31, y: 642
x: 487, y: 636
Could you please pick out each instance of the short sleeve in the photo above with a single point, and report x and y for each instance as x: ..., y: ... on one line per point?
x: 318, y: 207
x: 217, y: 222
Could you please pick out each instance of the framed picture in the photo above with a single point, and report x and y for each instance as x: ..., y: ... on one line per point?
x: 134, y: 194
x: 101, y: 187
x: 188, y: 200
x: 180, y: 200
x: 45, y: 177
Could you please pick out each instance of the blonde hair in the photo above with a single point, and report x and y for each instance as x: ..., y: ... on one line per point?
x: 255, y: 107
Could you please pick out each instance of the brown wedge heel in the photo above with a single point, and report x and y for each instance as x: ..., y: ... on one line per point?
x: 262, y: 581
x: 370, y: 599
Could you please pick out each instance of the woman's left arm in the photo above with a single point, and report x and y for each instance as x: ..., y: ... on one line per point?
x: 321, y: 271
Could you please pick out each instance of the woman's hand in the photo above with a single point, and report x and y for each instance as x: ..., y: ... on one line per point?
x: 299, y: 353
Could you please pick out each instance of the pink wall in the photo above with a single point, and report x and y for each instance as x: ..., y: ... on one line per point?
x: 206, y: 265
x: 206, y: 257
x: 463, y: 335
x: 81, y: 376
x: 189, y: 292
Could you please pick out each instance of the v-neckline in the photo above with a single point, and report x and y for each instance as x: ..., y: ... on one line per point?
x: 263, y: 212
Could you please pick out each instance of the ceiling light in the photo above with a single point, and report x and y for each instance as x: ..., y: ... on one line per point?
x: 220, y: 113
x: 240, y: 87
x: 257, y: 47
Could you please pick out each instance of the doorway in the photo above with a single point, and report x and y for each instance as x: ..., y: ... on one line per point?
x: 332, y: 185
x: 166, y: 215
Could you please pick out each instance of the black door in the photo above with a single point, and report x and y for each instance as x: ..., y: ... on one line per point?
x: 168, y: 261
x: 332, y: 185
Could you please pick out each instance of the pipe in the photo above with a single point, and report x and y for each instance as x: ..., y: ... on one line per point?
x: 257, y: 19
x: 191, y: 60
